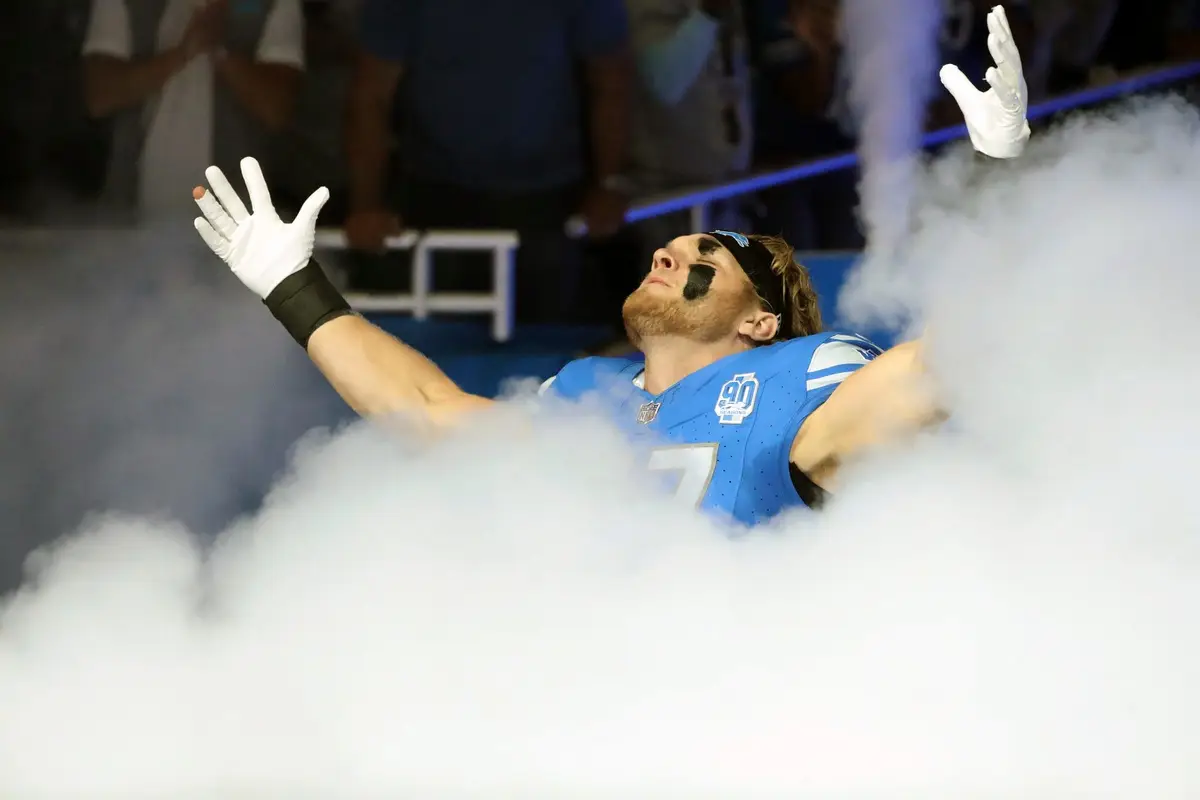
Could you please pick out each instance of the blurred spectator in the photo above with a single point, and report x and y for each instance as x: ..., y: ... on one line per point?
x: 691, y: 115
x: 188, y: 83
x: 797, y: 58
x: 1183, y: 36
x: 802, y: 113
x: 53, y: 155
x: 1148, y: 33
x: 1138, y: 37
x: 491, y: 117
x: 1063, y: 41
x: 22, y: 112
x: 1077, y: 43
x: 313, y: 153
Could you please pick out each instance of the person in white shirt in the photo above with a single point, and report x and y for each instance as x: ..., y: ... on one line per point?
x: 692, y: 112
x: 188, y: 83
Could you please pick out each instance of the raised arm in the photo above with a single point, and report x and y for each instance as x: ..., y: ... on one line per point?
x: 893, y: 397
x: 996, y: 119
x: 375, y: 373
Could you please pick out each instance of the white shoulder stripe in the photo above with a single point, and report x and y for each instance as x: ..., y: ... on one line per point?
x: 545, y: 387
x: 837, y: 353
x: 828, y: 380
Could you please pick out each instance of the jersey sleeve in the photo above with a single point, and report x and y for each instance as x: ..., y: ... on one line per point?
x: 835, y: 360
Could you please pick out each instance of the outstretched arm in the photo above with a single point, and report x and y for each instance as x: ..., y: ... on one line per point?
x: 374, y: 372
x: 885, y: 401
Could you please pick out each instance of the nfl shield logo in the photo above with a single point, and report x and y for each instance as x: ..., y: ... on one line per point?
x: 736, y: 401
x: 648, y: 412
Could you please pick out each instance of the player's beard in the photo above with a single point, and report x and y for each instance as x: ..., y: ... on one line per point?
x: 650, y: 313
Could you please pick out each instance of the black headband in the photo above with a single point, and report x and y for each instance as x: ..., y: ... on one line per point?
x: 755, y: 260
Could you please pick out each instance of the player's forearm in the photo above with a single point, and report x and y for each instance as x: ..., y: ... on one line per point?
x: 266, y: 91
x: 375, y: 373
x: 112, y: 84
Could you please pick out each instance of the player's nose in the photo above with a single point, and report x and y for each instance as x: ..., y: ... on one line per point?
x: 663, y: 260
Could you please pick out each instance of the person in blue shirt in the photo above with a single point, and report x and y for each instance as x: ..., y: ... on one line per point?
x: 741, y: 396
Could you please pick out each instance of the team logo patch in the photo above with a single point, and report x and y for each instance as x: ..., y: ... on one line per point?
x: 647, y: 412
x: 737, y: 237
x: 736, y: 401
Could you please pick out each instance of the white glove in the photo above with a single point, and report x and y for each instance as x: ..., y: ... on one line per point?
x: 260, y: 248
x: 996, y: 118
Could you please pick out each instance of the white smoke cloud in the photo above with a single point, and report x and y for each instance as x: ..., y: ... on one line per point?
x: 137, y: 375
x: 891, y: 56
x: 1003, y: 609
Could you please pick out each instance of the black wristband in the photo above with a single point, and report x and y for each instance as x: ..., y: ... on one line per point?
x: 306, y: 300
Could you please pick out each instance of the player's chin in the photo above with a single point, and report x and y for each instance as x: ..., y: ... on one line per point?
x: 650, y: 299
x: 643, y: 309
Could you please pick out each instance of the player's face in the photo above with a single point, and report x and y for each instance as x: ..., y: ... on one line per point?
x: 695, y: 289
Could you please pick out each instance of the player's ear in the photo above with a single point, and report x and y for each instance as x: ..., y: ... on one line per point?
x: 760, y: 327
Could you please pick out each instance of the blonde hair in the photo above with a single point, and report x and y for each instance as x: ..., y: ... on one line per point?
x: 797, y: 286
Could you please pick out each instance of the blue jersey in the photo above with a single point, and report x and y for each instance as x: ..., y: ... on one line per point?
x: 725, y: 432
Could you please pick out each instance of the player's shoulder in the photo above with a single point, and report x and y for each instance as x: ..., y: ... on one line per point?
x: 816, y: 363
x: 584, y: 375
x: 819, y: 352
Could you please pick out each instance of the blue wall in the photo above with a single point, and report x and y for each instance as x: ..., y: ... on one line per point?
x: 829, y: 272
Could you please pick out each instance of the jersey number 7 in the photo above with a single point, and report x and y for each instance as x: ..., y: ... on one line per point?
x: 693, y: 464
